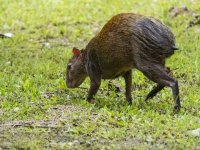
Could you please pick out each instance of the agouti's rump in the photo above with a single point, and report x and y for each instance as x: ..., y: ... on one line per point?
x: 126, y: 41
x: 130, y: 37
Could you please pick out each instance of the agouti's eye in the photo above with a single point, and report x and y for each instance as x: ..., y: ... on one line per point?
x: 69, y: 66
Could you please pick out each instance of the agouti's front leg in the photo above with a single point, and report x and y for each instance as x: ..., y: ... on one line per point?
x: 95, y: 81
x: 128, y: 81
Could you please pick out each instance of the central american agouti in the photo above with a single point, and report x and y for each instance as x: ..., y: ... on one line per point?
x: 125, y: 42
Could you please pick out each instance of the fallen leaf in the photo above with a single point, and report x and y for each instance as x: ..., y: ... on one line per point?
x: 6, y: 35
x: 195, y: 132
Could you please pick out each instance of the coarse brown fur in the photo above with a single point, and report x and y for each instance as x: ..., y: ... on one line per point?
x: 125, y: 42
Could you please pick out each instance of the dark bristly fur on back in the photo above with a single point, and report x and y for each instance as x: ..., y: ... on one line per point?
x: 125, y: 42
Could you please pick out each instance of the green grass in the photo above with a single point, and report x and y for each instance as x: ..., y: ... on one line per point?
x: 32, y: 80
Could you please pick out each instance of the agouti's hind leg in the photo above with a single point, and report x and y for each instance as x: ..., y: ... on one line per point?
x: 158, y: 88
x: 158, y: 74
x: 128, y: 81
x: 154, y: 91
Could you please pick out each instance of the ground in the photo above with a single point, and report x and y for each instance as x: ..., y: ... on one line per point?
x: 37, y: 111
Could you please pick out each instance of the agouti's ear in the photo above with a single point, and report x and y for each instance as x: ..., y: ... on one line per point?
x: 76, y: 51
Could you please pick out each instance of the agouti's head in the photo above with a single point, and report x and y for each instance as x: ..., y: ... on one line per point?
x: 76, y: 72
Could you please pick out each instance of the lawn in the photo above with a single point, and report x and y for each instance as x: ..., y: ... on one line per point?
x: 37, y: 111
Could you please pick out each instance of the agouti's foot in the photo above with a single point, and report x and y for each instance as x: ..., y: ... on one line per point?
x: 92, y: 101
x: 130, y: 101
x: 177, y: 108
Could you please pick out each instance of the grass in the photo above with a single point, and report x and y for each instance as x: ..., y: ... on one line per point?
x: 38, y: 112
